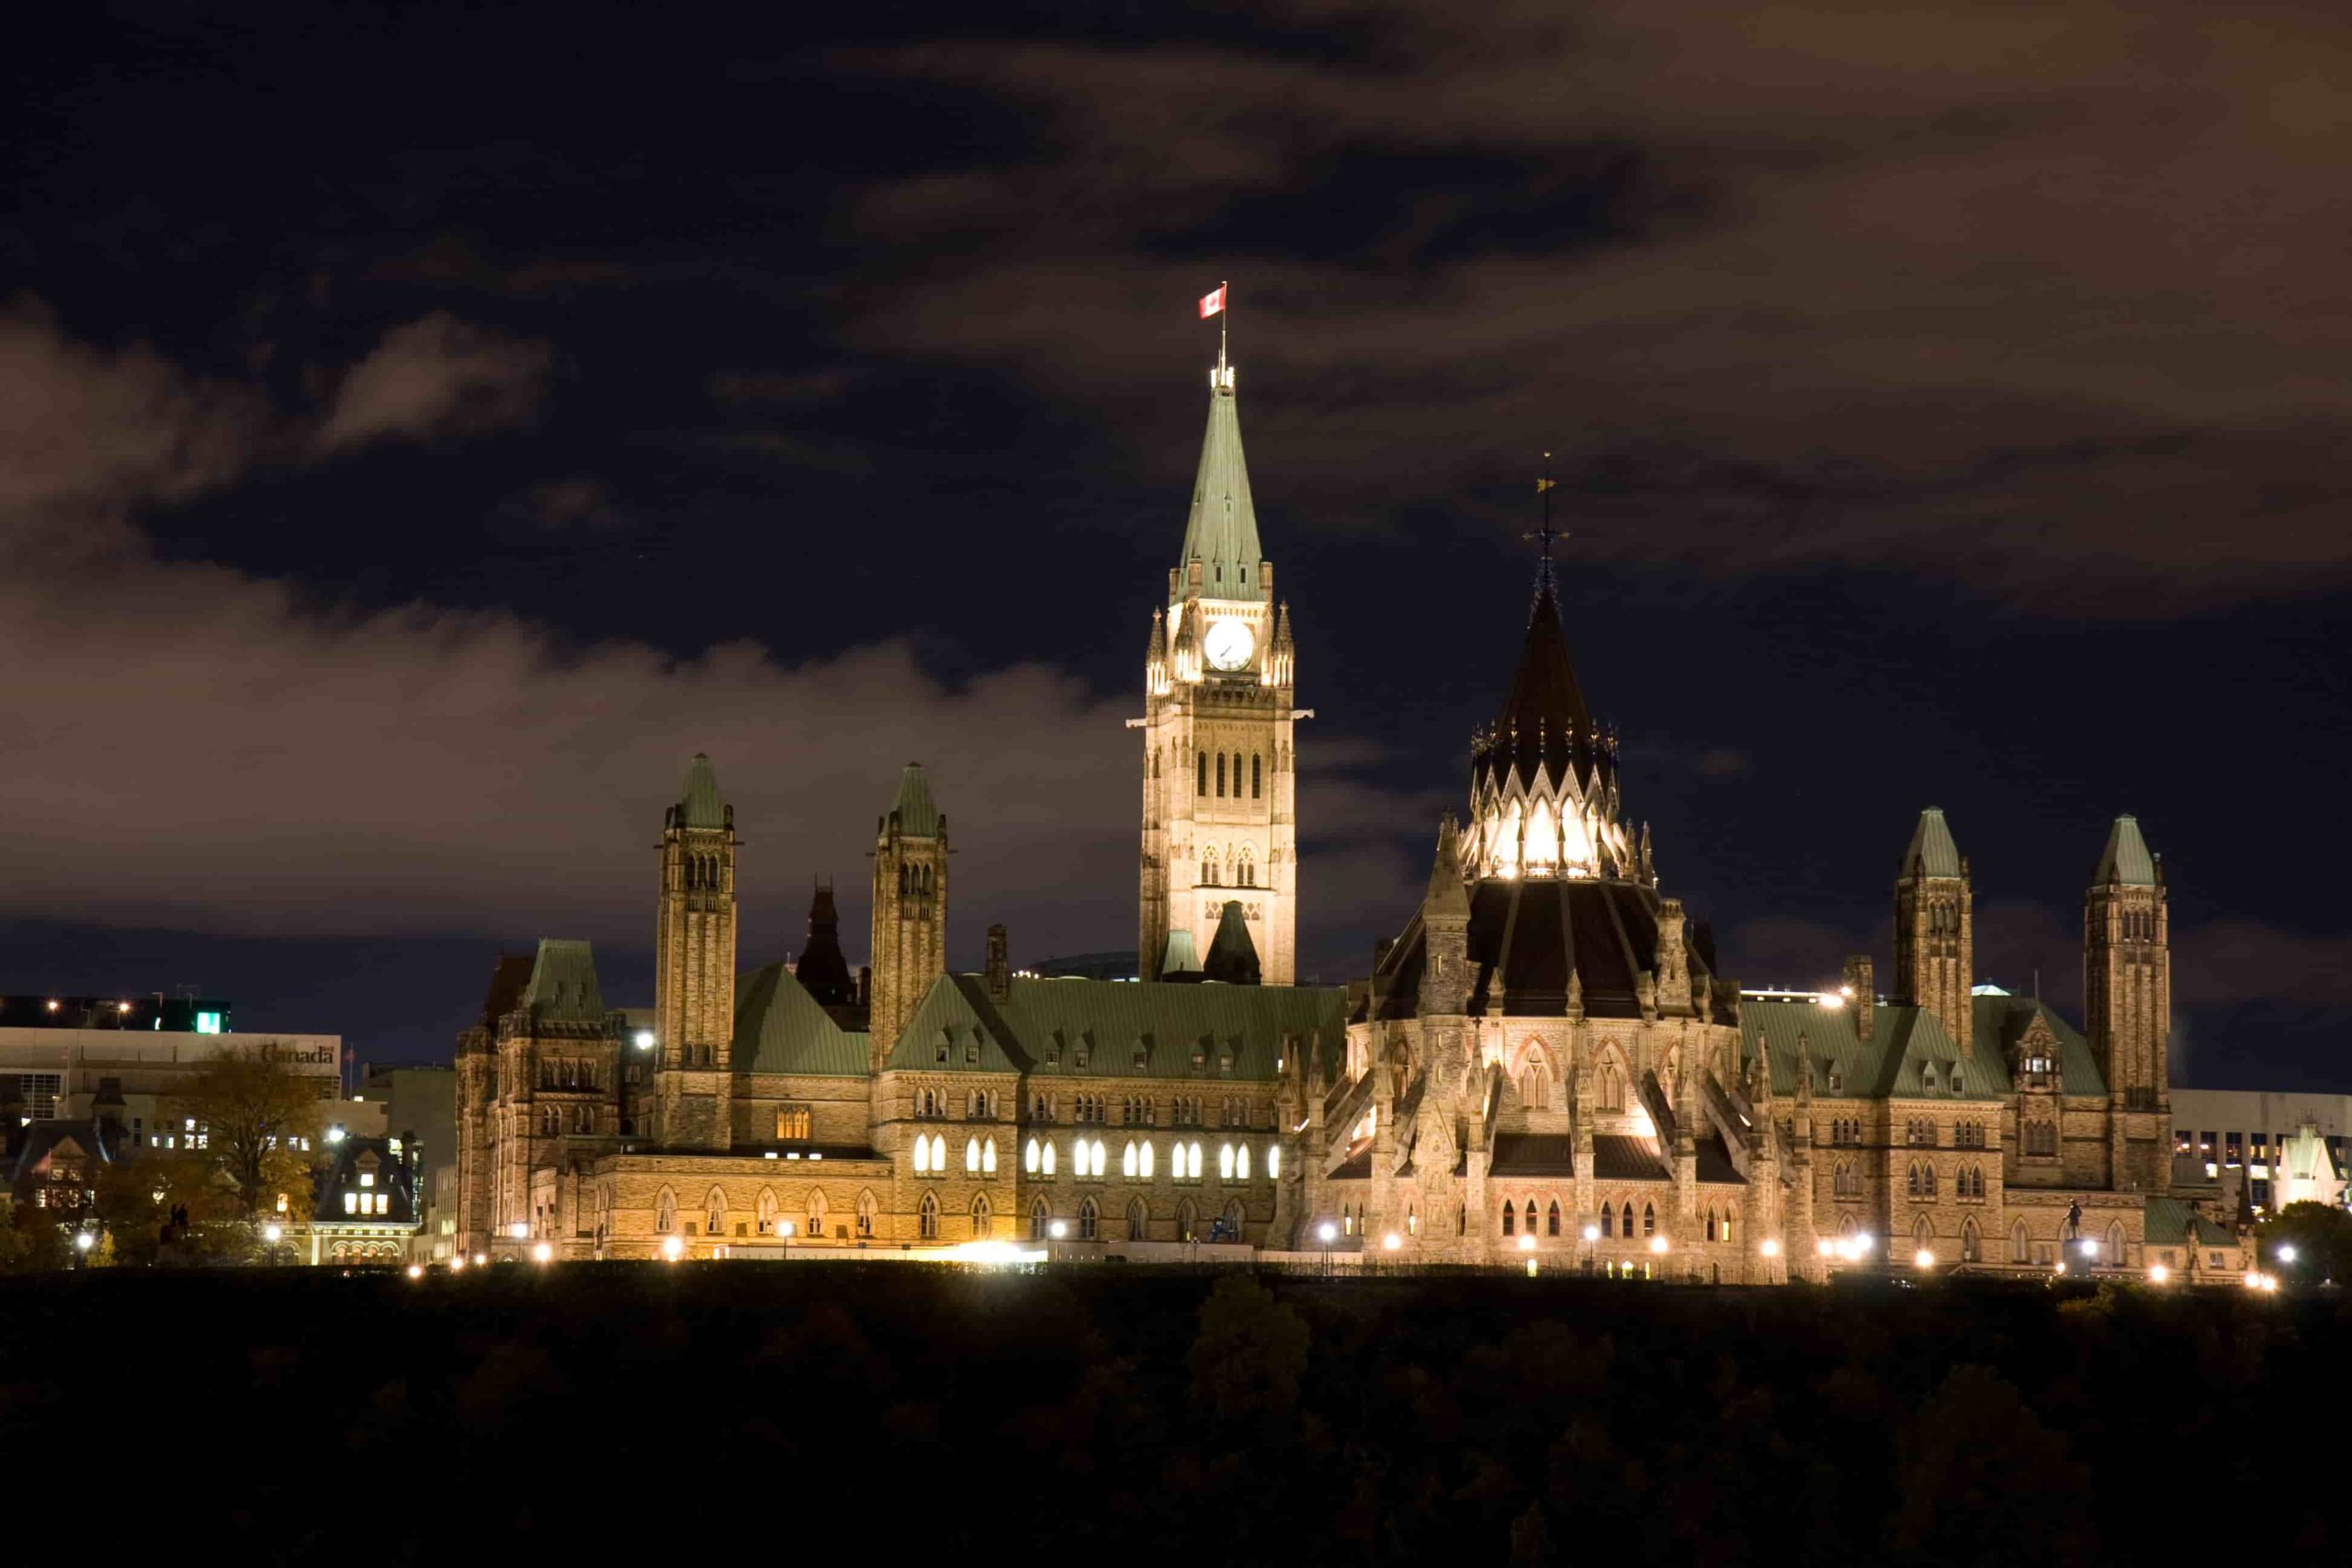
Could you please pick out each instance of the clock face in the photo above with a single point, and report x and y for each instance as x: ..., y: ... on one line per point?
x: 1228, y: 645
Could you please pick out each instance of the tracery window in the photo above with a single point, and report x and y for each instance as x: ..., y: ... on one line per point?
x: 1041, y: 1221
x: 1511, y: 1219
x: 1089, y: 1218
x: 1649, y: 1219
x: 1552, y: 1219
x: 866, y: 1213
x: 981, y: 1217
x: 927, y: 1220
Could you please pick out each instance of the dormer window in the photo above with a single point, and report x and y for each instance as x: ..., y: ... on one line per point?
x: 972, y: 1051
x: 1837, y: 1080
x: 1141, y: 1058
x: 939, y: 1051
x: 1224, y: 1065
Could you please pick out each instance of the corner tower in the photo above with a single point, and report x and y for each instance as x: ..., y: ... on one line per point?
x: 693, y: 966
x: 2127, y: 1000
x: 1935, y: 927
x: 1220, y: 776
x: 910, y: 908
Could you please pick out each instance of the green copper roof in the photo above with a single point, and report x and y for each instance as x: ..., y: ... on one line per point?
x: 2167, y: 1222
x: 700, y: 805
x: 1119, y: 1028
x: 1908, y: 1055
x: 780, y: 1028
x: 2001, y: 1020
x: 1932, y: 852
x: 2126, y: 860
x: 564, y: 984
x: 913, y: 812
x: 1181, y: 956
x: 1223, y: 527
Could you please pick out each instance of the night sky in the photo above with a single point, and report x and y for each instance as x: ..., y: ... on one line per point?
x: 419, y: 434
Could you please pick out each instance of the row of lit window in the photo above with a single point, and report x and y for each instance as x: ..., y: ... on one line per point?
x: 358, y: 1202
x: 1139, y: 1160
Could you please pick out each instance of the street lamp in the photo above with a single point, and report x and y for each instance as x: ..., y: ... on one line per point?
x: 83, y: 1242
x: 1391, y: 1242
x: 1057, y: 1229
x: 1772, y: 1246
x: 416, y: 1270
x: 1327, y: 1233
x: 273, y: 1232
x: 673, y: 1248
x: 1923, y: 1260
x: 1658, y: 1244
x: 2158, y: 1273
x: 645, y: 1040
x: 543, y: 1253
x: 783, y: 1229
x: 2284, y: 1252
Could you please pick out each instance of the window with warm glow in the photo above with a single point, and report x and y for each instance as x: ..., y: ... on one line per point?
x: 792, y: 1123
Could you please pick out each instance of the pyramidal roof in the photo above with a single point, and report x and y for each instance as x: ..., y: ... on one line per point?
x: 1222, y: 529
x: 1180, y: 956
x: 564, y: 984
x: 1932, y: 852
x: 913, y: 812
x: 1233, y: 957
x: 1544, y: 720
x: 1445, y: 898
x: 2126, y: 860
x: 700, y: 804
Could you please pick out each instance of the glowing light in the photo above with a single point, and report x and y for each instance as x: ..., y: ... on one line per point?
x: 1327, y: 1233
x: 1057, y: 1229
x: 673, y: 1248
x: 122, y: 1007
x: 1658, y: 1245
x: 84, y: 1241
x: 543, y: 1253
x: 457, y: 1264
x: 335, y: 1133
x: 1863, y: 1243
x: 1770, y: 1247
x: 519, y: 1230
x: 2061, y: 1269
x: 2158, y: 1273
x: 1527, y: 1244
x: 480, y: 1258
x: 2285, y: 1252
x: 996, y: 1253
x: 1830, y: 999
x: 645, y: 1040
x: 783, y: 1229
x: 1923, y: 1258
x: 1847, y: 992
x: 1391, y: 1242
x: 53, y: 1005
x: 1592, y: 1233
x: 273, y: 1234
x: 416, y: 1270
x: 1826, y: 1248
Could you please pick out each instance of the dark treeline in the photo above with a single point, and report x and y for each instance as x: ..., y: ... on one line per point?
x: 899, y: 1413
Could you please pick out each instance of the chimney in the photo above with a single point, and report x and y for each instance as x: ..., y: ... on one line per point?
x: 1860, y: 995
x: 1000, y: 972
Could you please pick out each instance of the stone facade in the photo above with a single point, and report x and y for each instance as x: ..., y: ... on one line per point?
x: 1545, y: 1065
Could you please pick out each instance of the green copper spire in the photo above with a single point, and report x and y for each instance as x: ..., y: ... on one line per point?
x: 700, y: 804
x: 916, y: 816
x: 2126, y: 860
x: 1932, y: 852
x: 1222, y: 531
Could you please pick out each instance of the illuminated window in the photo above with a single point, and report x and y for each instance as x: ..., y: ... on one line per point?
x: 927, y: 1225
x: 350, y: 1203
x: 665, y: 1213
x: 971, y: 1156
x: 938, y: 1152
x: 792, y: 1123
x: 1143, y: 1159
x: 383, y: 1202
x: 922, y: 1157
x: 1242, y: 1162
x: 367, y: 1179
x: 1273, y: 1160
x: 1225, y: 1162
x: 1127, y: 1160
x: 1046, y: 1155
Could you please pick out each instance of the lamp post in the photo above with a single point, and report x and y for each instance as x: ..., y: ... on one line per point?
x: 83, y: 1242
x: 783, y: 1229
x: 1327, y: 1233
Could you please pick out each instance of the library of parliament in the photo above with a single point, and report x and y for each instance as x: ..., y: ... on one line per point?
x: 1544, y: 1067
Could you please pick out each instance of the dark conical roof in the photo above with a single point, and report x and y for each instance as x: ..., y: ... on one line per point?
x: 1233, y: 957
x: 1543, y: 718
x: 822, y: 972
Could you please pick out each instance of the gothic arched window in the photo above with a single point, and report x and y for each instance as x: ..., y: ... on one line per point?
x: 980, y: 1217
x: 866, y: 1213
x: 715, y: 1212
x: 2020, y: 1248
x: 1552, y: 1219
x: 665, y: 1213
x: 1220, y: 775
x: 817, y: 1209
x: 1511, y: 1219
x: 1201, y: 784
x: 928, y: 1226
x: 1088, y: 1217
x: 1649, y: 1219
x: 1041, y: 1221
x: 1608, y: 1221
x: 1971, y: 1246
x: 1135, y: 1219
x: 1253, y: 775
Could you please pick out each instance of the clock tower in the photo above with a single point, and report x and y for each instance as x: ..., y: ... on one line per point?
x: 1219, y: 779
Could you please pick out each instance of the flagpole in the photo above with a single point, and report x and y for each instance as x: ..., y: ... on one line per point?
x: 1224, y: 317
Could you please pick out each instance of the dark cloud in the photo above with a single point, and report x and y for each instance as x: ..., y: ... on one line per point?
x: 431, y: 377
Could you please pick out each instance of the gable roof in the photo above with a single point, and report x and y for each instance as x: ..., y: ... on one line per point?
x: 781, y: 1028
x: 1221, y: 530
x: 1906, y: 1043
x: 1043, y: 1026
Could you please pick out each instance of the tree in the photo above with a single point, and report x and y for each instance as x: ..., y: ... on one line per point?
x: 1250, y: 1353
x: 179, y: 1199
x: 2322, y: 1237
x: 255, y: 1114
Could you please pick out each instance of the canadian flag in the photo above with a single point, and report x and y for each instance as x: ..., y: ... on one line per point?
x: 1212, y: 302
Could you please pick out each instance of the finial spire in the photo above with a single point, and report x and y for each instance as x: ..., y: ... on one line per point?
x: 1546, y: 534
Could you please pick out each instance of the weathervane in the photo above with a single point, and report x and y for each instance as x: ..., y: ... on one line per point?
x: 1546, y: 534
